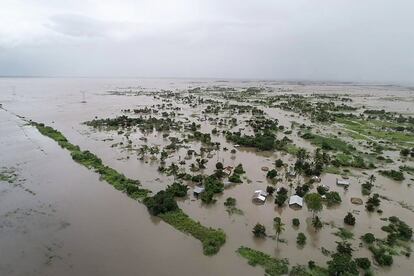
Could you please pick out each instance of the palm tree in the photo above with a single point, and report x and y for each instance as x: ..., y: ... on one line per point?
x: 317, y: 223
x: 314, y: 203
x: 279, y: 228
x: 372, y: 178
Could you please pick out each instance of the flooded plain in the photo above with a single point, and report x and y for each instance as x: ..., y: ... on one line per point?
x: 58, y: 218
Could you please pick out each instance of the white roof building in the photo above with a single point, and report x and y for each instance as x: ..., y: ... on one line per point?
x: 198, y: 190
x: 259, y: 196
x: 342, y: 182
x: 296, y: 200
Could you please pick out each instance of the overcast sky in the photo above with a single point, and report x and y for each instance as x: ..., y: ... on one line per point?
x: 345, y: 40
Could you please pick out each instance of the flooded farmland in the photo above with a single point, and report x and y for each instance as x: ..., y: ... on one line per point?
x: 60, y: 216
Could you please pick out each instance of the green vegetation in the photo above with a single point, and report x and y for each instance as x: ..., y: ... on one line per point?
x: 8, y: 175
x: 363, y: 263
x: 372, y: 203
x: 301, y: 239
x: 373, y: 129
x: 259, y: 230
x: 332, y: 198
x: 272, y: 266
x: 279, y: 227
x: 328, y: 143
x: 161, y: 203
x: 349, y: 219
x: 212, y: 186
x: 212, y: 239
x: 314, y: 202
x: 369, y: 238
x: 231, y: 208
x: 281, y: 197
x: 295, y: 222
x: 393, y: 174
x: 344, y: 234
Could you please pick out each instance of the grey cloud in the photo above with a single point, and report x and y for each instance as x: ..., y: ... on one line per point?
x: 320, y: 40
x: 78, y: 25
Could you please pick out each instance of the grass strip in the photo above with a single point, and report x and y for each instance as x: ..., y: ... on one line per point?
x: 271, y: 265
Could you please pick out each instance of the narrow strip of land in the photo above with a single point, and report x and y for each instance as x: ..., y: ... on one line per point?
x: 212, y: 239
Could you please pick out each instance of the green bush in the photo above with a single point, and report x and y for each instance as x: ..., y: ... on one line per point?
x: 272, y: 266
x: 363, y: 263
x: 368, y: 238
x: 301, y: 239
x: 295, y: 222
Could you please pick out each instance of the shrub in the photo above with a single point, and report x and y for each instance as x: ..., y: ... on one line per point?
x: 333, y: 198
x: 271, y: 174
x: 161, y: 202
x: 321, y: 190
x: 295, y: 222
x: 301, y: 239
x: 363, y: 263
x: 278, y: 163
x: 393, y: 174
x: 230, y: 202
x: 271, y: 265
x: 259, y: 230
x: 235, y: 178
x: 368, y: 238
x: 349, y: 219
x: 177, y: 189
x: 280, y: 199
x: 342, y: 264
x: 239, y: 169
x: 270, y: 190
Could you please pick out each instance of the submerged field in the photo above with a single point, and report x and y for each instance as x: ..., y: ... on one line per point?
x: 159, y: 141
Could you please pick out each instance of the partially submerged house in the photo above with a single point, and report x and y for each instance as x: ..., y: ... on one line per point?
x: 259, y: 196
x: 342, y: 182
x: 198, y: 190
x: 291, y: 172
x: 296, y: 201
x: 227, y: 170
x: 316, y: 178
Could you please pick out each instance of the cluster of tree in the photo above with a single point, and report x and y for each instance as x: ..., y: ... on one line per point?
x: 261, y: 141
x: 161, y: 202
x: 236, y: 176
x: 372, y: 203
x: 368, y: 185
x: 301, y: 239
x: 314, y: 167
x: 212, y: 185
x: 144, y: 124
x: 271, y: 174
x: 332, y: 198
x: 393, y: 174
x: 259, y: 230
x: 202, y: 137
x: 281, y: 196
x: 406, y: 152
x: 349, y: 219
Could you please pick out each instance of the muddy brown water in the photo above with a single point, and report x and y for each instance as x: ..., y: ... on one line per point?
x: 58, y: 218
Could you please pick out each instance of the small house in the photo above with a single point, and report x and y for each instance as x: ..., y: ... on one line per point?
x: 291, y: 172
x: 228, y: 184
x: 296, y: 200
x: 259, y: 196
x: 316, y: 178
x: 198, y: 190
x: 342, y: 182
x: 227, y: 170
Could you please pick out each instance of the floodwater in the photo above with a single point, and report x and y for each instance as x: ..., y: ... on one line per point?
x: 58, y: 218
